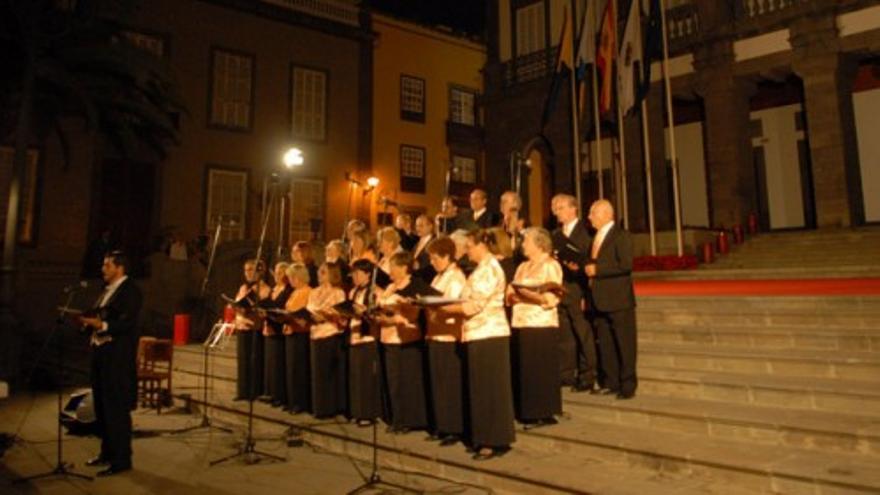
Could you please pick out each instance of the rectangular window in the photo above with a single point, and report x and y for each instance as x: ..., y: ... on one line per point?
x: 307, y: 210
x: 227, y: 202
x: 27, y: 208
x: 464, y: 169
x: 232, y: 90
x: 412, y: 98
x: 412, y: 169
x: 530, y: 29
x: 462, y: 106
x: 147, y: 42
x: 309, y: 103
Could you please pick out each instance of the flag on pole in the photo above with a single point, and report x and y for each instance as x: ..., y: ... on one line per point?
x: 564, y: 65
x: 653, y: 43
x: 586, y: 52
x: 629, y: 73
x: 605, y: 56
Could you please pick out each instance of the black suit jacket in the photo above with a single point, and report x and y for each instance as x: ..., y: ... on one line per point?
x: 612, y: 286
x: 121, y: 315
x: 575, y: 282
x: 487, y: 220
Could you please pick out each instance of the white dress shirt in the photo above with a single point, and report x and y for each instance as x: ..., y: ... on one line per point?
x: 323, y: 298
x: 600, y: 238
x: 479, y: 213
x: 568, y: 228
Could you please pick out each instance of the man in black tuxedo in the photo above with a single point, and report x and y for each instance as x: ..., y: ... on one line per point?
x: 422, y: 267
x: 613, y: 301
x: 577, y: 346
x: 478, y: 216
x: 447, y: 220
x: 114, y: 363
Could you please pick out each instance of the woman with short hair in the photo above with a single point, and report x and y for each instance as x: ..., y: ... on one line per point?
x: 297, y: 359
x: 326, y: 342
x: 443, y: 340
x: 486, y: 340
x: 535, y: 331
x: 401, y: 336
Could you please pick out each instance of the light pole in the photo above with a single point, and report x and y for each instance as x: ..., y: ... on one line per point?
x: 292, y: 158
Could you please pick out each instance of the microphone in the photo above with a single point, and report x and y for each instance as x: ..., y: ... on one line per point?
x: 82, y: 284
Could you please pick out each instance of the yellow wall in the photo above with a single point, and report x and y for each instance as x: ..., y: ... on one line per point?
x: 441, y: 60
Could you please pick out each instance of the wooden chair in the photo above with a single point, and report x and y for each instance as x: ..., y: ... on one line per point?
x: 155, y: 361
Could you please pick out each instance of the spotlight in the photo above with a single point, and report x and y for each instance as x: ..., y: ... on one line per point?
x: 293, y: 158
x: 373, y: 182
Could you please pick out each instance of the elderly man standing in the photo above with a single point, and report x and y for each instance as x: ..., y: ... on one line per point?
x: 571, y: 242
x: 612, y: 300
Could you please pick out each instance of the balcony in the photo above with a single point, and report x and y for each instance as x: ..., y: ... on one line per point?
x: 465, y: 135
x: 333, y: 10
x: 533, y: 66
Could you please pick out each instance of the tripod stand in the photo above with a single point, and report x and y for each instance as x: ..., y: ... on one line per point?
x: 209, y: 344
x: 375, y: 479
x: 61, y: 467
x: 248, y: 450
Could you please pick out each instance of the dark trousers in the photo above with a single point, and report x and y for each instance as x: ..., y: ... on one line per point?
x: 577, y: 361
x: 112, y: 393
x: 617, y: 340
x: 249, y: 357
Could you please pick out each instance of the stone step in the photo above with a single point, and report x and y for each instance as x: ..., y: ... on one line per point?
x: 705, y: 317
x: 570, y: 456
x: 818, y: 430
x: 868, y: 306
x: 525, y: 469
x: 715, y: 272
x: 791, y: 392
x: 852, y: 365
x: 779, y: 469
x: 762, y: 338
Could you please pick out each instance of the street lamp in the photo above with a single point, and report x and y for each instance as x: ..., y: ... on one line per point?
x: 372, y: 183
x: 293, y: 157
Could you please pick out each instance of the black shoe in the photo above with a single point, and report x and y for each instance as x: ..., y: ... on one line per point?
x: 110, y: 471
x: 607, y: 391
x: 626, y: 395
x: 97, y: 461
x: 432, y: 437
x: 582, y: 387
x: 449, y: 440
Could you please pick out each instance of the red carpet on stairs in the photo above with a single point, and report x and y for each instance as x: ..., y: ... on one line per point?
x: 793, y: 287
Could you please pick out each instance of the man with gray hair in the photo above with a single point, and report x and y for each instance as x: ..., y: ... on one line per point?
x: 571, y: 242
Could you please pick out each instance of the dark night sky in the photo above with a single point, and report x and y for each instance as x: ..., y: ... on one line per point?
x: 468, y: 16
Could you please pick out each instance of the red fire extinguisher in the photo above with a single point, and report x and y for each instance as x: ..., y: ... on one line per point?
x: 738, y: 236
x: 723, y: 242
x: 708, y: 252
x: 753, y: 223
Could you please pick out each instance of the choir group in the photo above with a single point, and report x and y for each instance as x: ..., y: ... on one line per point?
x: 453, y: 328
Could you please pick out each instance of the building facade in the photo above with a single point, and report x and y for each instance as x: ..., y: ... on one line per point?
x: 773, y: 104
x: 427, y: 122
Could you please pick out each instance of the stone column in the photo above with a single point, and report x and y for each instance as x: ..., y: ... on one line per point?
x: 827, y: 76
x: 729, y: 163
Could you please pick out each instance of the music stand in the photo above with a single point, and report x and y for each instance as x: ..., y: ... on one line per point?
x: 375, y: 478
x: 214, y: 338
x: 248, y: 450
x: 61, y: 468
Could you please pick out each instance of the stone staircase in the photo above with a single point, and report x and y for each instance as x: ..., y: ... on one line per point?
x: 736, y: 395
x: 847, y: 249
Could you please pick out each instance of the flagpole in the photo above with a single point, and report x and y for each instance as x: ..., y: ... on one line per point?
x: 596, y: 119
x: 649, y: 181
x: 575, y: 132
x: 621, y: 138
x: 670, y: 122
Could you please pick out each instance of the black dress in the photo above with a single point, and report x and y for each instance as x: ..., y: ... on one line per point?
x: 364, y: 377
x: 274, y: 370
x: 249, y: 358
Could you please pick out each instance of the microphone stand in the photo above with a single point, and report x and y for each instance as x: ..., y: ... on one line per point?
x: 206, y: 383
x: 375, y: 479
x: 61, y: 468
x: 248, y: 450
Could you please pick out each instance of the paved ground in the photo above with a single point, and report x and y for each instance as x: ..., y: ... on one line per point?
x: 178, y: 464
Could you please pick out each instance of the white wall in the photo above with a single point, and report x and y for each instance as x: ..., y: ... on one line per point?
x: 692, y: 173
x: 867, y: 110
x: 783, y: 176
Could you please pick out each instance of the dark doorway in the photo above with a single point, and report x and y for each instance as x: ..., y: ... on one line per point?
x: 123, y: 205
